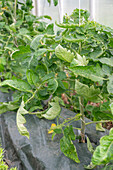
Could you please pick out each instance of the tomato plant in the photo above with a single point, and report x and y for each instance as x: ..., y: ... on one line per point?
x: 39, y: 65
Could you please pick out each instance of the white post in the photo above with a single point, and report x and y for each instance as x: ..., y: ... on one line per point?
x: 92, y: 9
x: 36, y: 9
x: 61, y: 10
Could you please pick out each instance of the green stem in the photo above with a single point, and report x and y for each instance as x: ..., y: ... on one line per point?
x: 31, y: 97
x: 102, y: 121
x: 81, y: 102
x: 33, y: 94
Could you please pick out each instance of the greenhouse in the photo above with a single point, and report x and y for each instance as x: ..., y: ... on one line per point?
x: 56, y: 84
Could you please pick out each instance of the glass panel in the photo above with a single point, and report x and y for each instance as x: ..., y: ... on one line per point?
x: 104, y: 12
x: 51, y: 10
x: 70, y: 5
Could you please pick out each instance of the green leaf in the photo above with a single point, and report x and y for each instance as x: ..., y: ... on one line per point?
x: 90, y: 72
x: 63, y: 54
x: 89, y: 146
x: 2, y: 24
x: 61, y: 75
x: 90, y: 93
x: 71, y: 39
x: 68, y: 148
x: 104, y: 152
x: 23, y: 31
x: 41, y: 70
x: 41, y: 51
x: 59, y: 100
x: 106, y: 69
x: 108, y: 61
x: 111, y: 107
x: 53, y: 112
x: 58, y: 131
x: 67, y: 25
x: 48, y: 77
x: 36, y: 42
x: 32, y: 77
x: 110, y: 84
x: 21, y: 120
x: 50, y: 29
x: 17, y: 84
x: 96, y: 53
x: 68, y: 132
x: 52, y: 85
x: 23, y: 51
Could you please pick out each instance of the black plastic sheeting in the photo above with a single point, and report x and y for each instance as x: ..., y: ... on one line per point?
x: 40, y: 152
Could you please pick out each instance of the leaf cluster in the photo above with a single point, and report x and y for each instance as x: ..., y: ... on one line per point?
x: 38, y: 65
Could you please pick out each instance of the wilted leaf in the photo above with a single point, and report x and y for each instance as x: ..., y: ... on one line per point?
x: 21, y: 120
x: 53, y: 112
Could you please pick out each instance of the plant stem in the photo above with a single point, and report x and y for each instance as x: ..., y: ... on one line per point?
x: 31, y: 97
x: 81, y: 100
x: 102, y: 121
